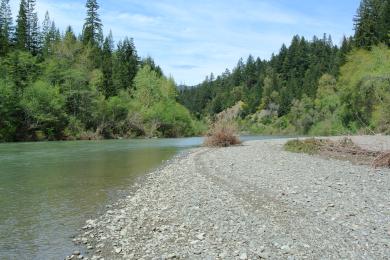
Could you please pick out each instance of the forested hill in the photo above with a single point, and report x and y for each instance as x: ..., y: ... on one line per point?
x: 57, y: 85
x: 311, y: 86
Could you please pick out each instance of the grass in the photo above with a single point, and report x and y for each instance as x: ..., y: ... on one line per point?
x: 344, y: 149
x: 309, y: 146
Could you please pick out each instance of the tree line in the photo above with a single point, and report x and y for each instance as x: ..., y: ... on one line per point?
x: 55, y: 85
x: 309, y: 87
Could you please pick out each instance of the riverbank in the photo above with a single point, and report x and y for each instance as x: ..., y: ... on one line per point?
x: 248, y: 202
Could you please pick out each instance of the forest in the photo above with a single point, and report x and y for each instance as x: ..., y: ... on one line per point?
x: 57, y: 85
x: 311, y: 87
x: 62, y: 86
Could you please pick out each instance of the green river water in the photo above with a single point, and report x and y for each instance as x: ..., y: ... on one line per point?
x: 49, y: 189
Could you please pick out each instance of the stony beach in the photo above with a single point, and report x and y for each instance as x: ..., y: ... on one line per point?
x: 253, y: 201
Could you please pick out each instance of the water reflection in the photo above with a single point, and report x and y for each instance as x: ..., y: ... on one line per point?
x: 48, y: 190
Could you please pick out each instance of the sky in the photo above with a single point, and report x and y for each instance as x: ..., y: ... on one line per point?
x: 189, y: 39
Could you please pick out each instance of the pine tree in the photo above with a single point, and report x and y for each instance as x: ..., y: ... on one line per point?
x: 55, y: 34
x: 372, y: 23
x: 45, y: 36
x: 148, y: 61
x: 108, y: 86
x: 33, y: 34
x: 125, y: 64
x: 92, y: 30
x: 6, y: 27
x: 386, y: 21
x: 21, y: 27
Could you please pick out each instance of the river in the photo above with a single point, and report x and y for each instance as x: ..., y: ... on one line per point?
x: 49, y: 189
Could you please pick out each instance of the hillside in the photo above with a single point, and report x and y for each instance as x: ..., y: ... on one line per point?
x: 312, y: 86
x: 56, y: 86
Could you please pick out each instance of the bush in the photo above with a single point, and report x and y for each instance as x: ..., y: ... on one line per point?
x: 223, y: 133
x: 309, y: 146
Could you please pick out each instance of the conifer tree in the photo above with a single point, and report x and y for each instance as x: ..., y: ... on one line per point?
x: 33, y: 34
x: 386, y: 21
x: 372, y: 23
x: 108, y: 46
x: 125, y: 65
x: 6, y: 27
x: 21, y: 26
x: 92, y: 30
x: 46, y: 33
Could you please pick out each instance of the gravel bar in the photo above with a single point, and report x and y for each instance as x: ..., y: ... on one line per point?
x: 253, y: 201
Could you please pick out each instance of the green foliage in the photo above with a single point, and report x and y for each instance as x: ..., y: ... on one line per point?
x: 365, y: 84
x: 93, y: 28
x: 372, y: 23
x: 267, y: 85
x: 8, y: 105
x: 303, y: 114
x: 6, y: 27
x: 310, y: 87
x: 63, y: 87
x: 43, y: 107
x: 125, y: 64
x: 156, y: 95
x: 309, y: 146
x: 169, y: 119
x: 22, y: 26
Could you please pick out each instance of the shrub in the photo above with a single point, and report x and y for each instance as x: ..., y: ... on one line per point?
x: 223, y: 133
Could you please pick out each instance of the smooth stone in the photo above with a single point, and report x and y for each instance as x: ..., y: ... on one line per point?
x: 200, y: 236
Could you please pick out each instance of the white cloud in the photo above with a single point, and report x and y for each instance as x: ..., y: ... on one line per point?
x: 191, y: 39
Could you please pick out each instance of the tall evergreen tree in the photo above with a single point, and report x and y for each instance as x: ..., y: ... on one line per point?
x: 125, y: 64
x: 6, y: 27
x: 148, y: 61
x: 33, y: 34
x: 93, y: 28
x: 372, y: 23
x: 386, y: 21
x: 21, y: 26
x: 108, y: 86
x: 45, y: 36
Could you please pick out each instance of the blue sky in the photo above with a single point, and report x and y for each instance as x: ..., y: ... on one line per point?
x: 190, y: 39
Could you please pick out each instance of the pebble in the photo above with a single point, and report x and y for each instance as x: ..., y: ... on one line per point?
x: 243, y: 256
x: 242, y: 211
x: 200, y: 236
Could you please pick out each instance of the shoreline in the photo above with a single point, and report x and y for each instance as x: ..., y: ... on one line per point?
x: 246, y: 202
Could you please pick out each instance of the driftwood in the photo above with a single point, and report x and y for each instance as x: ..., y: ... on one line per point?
x: 383, y: 160
x: 346, y: 147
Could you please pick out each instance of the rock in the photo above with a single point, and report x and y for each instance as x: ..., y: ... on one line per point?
x: 243, y: 256
x: 200, y: 236
x: 223, y: 255
x: 76, y: 252
x: 89, y: 247
x: 171, y: 256
x: 197, y: 251
x: 264, y: 255
x: 118, y: 250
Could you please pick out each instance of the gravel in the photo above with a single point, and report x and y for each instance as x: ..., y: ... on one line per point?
x: 254, y: 201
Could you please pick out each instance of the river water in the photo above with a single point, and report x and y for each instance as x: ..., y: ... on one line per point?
x: 49, y: 189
